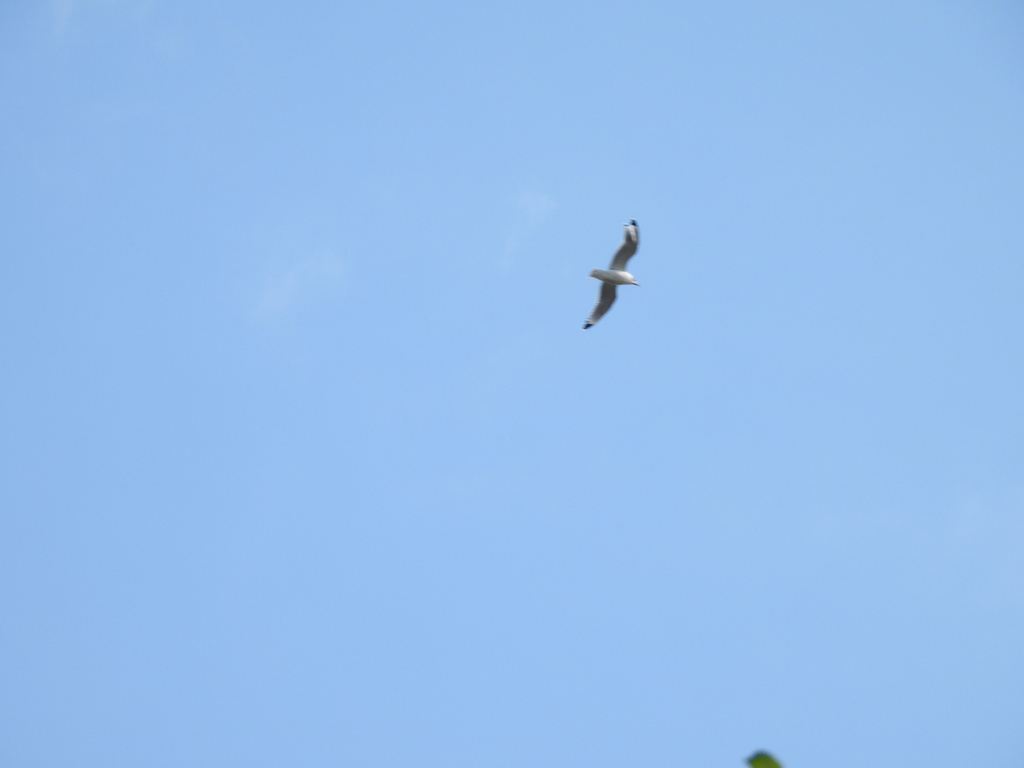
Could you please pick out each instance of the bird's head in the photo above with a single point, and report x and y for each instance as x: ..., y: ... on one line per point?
x: 632, y: 222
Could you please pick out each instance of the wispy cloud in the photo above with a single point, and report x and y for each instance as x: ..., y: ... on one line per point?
x: 972, y: 544
x: 71, y: 18
x: 531, y: 210
x: 305, y: 282
x: 62, y: 12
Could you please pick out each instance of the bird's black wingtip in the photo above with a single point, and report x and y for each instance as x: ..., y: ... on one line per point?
x: 586, y: 325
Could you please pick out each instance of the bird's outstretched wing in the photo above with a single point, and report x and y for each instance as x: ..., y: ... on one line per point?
x: 630, y: 240
x: 605, y: 298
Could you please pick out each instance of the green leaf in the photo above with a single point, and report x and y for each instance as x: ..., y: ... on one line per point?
x: 762, y: 760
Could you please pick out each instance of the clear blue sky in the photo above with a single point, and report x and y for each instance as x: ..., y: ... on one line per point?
x: 306, y: 460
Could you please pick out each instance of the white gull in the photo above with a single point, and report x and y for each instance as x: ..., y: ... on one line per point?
x: 616, y: 273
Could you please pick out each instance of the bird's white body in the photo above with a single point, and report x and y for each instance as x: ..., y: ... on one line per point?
x: 613, y: 276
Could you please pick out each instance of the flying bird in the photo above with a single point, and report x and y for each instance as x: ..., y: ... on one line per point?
x: 616, y: 273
